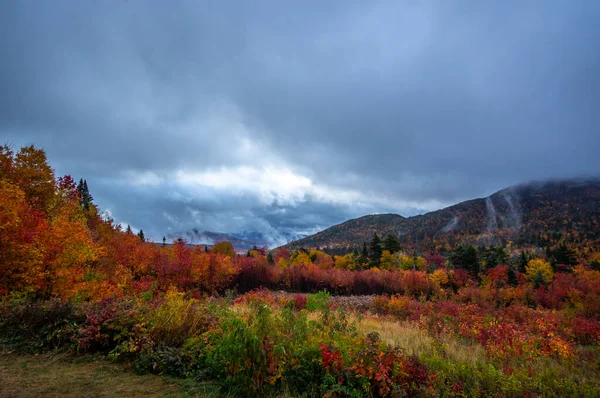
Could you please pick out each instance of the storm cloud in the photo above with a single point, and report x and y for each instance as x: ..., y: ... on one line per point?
x: 287, y: 118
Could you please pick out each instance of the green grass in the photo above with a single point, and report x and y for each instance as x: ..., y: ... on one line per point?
x: 64, y: 375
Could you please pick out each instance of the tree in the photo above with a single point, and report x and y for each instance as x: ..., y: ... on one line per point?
x: 523, y: 262
x: 29, y: 170
x: 496, y: 256
x: 270, y: 257
x: 411, y: 262
x: 225, y: 248
x: 128, y: 230
x: 540, y: 266
x: 466, y: 257
x: 23, y: 241
x: 349, y: 261
x: 512, y: 276
x: 73, y: 256
x: 391, y: 244
x: 141, y: 235
x: 595, y: 261
x: 164, y: 241
x: 562, y: 255
x: 388, y: 260
x: 538, y: 279
x: 375, y: 249
x: 300, y: 257
x: 84, y: 194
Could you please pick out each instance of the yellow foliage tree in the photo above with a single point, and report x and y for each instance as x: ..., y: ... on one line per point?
x: 536, y: 266
x: 439, y: 276
x: 225, y: 248
x: 300, y: 258
x: 412, y: 262
x: 388, y: 260
x: 72, y: 254
x: 346, y: 262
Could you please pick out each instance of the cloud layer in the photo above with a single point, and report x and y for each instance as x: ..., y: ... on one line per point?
x: 284, y: 119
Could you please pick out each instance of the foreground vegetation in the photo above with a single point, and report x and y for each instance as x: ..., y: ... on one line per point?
x: 279, y: 344
x: 471, y: 321
x: 63, y: 375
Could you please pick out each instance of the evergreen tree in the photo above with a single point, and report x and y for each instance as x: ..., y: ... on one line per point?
x: 512, y: 276
x: 595, y: 264
x: 392, y: 244
x: 84, y: 194
x: 466, y: 257
x: 538, y: 280
x: 141, y: 235
x: 80, y: 187
x: 87, y: 198
x: 164, y: 241
x: 376, y: 249
x: 365, y: 252
x: 128, y: 230
x: 205, y: 249
x: 523, y: 262
x: 562, y: 255
x: 270, y: 257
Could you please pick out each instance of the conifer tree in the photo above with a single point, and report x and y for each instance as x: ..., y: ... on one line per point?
x: 376, y: 249
x: 365, y: 252
x: 538, y: 280
x: 141, y: 235
x: 391, y: 244
x: 512, y: 276
x: 522, y: 262
x: 84, y: 194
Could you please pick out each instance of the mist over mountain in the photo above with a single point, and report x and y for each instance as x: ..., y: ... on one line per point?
x: 534, y: 214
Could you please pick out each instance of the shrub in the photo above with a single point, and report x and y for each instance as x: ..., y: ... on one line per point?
x: 177, y: 319
x: 39, y: 325
x: 318, y: 301
x: 300, y: 301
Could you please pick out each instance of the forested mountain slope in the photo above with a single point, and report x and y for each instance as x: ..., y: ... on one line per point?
x: 538, y: 214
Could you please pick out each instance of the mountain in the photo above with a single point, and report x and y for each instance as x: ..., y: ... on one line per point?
x: 240, y: 241
x: 536, y: 214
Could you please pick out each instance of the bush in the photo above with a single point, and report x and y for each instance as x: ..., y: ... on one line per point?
x: 177, y: 319
x: 37, y: 326
x: 300, y: 301
x: 318, y: 301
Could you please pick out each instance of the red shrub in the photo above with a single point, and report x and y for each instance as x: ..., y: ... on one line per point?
x: 300, y: 301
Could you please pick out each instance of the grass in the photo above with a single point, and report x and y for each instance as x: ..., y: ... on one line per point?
x: 417, y: 341
x: 63, y: 375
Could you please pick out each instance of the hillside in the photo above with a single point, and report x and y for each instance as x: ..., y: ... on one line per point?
x: 536, y: 214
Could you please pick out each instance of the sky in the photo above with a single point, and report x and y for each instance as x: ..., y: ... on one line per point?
x: 284, y: 118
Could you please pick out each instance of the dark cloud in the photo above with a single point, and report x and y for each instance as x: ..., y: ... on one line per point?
x: 385, y: 106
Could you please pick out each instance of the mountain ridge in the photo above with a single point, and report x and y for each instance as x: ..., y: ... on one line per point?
x: 530, y: 214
